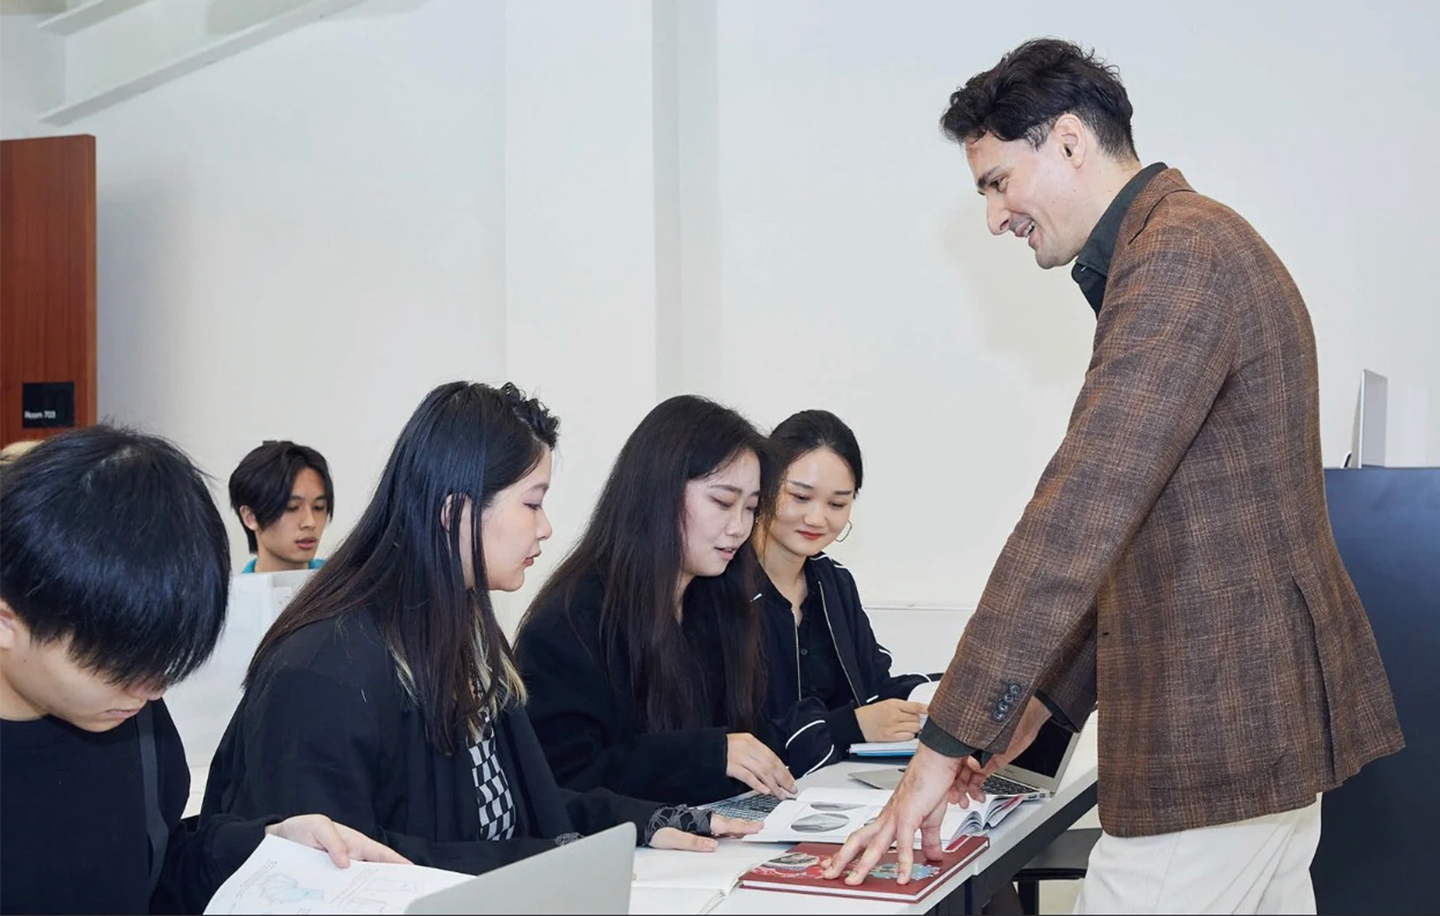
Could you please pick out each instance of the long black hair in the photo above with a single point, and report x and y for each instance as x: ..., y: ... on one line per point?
x: 635, y: 540
x: 110, y: 537
x: 464, y: 443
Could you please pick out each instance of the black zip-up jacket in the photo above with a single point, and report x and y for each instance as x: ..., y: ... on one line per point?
x: 812, y: 735
x: 327, y: 727
x: 586, y: 719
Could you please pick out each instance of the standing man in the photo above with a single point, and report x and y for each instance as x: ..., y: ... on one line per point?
x: 1176, y: 562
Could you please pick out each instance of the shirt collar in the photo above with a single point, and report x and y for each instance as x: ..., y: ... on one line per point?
x: 1092, y: 264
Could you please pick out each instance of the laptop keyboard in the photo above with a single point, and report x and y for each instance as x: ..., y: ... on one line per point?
x: 745, y: 807
x: 999, y: 785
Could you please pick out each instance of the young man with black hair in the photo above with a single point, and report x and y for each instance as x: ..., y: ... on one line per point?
x: 114, y: 573
x: 1176, y: 563
x: 283, y: 496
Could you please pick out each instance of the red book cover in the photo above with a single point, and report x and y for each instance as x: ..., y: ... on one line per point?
x: 798, y: 869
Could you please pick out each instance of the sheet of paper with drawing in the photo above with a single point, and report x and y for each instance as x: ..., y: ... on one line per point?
x: 829, y: 815
x: 285, y: 877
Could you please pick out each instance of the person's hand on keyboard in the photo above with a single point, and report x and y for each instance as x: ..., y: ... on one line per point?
x: 890, y: 720
x: 970, y: 781
x: 750, y: 761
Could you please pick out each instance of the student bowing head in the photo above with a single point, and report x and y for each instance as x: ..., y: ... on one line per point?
x: 114, y: 572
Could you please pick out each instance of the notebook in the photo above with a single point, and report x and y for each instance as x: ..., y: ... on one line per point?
x: 799, y: 870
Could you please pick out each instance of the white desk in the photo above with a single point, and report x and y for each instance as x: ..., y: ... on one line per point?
x: 1012, y: 844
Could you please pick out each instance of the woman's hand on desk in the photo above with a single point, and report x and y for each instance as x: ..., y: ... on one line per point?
x: 344, y: 844
x: 750, y: 761
x: 890, y: 720
x: 673, y: 838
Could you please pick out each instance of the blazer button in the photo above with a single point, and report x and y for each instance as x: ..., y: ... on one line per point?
x: 1013, y: 690
x: 998, y: 716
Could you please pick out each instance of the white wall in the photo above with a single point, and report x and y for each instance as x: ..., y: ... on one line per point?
x: 610, y: 203
x: 858, y: 275
x: 32, y: 73
x: 299, y: 241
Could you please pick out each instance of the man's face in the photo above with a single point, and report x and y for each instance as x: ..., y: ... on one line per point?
x: 42, y: 679
x: 290, y: 542
x: 1034, y: 194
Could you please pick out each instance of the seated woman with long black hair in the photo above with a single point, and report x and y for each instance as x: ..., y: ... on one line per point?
x: 386, y: 695
x: 643, y: 653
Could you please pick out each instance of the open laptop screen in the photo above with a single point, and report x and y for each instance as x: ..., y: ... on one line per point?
x: 1047, y: 753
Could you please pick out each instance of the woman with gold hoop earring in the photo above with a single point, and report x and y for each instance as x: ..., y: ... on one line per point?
x: 829, y: 682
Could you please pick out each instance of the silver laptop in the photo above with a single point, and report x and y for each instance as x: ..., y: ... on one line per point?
x: 592, y: 875
x: 1034, y: 774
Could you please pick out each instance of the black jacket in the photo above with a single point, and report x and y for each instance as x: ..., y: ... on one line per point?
x: 73, y: 837
x: 327, y: 727
x: 808, y: 729
x: 585, y: 717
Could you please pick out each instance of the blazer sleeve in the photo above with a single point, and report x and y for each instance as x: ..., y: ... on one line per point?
x: 1165, y: 345
x: 313, y: 745
x: 579, y: 720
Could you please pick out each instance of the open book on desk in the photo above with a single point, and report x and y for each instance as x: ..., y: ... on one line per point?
x: 830, y: 815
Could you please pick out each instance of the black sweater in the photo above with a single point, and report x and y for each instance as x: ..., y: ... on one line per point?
x: 326, y: 726
x: 586, y: 718
x: 73, y: 837
x: 815, y: 733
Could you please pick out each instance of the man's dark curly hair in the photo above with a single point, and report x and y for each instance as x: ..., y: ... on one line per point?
x: 1032, y: 86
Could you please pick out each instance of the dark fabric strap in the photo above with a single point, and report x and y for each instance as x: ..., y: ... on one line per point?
x: 154, y: 819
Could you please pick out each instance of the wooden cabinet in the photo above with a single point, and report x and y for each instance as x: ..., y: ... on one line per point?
x: 47, y: 285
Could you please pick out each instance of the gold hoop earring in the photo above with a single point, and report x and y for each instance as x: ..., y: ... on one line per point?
x: 849, y: 526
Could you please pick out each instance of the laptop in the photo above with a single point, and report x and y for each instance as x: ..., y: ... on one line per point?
x: 591, y: 875
x: 749, y: 806
x: 1034, y: 774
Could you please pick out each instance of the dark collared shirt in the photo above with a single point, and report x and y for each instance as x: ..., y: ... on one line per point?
x: 1092, y: 264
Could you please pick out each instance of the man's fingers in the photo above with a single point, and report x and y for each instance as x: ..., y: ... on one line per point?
x: 904, y: 855
x: 879, y: 844
x: 848, y: 850
x: 930, y: 841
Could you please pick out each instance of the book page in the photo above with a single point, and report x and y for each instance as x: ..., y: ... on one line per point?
x: 285, y: 877
x: 830, y: 815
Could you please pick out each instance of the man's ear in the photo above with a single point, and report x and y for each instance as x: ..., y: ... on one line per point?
x: 247, y: 517
x: 1074, y: 139
x: 10, y: 627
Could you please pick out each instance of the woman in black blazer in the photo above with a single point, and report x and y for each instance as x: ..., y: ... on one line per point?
x: 386, y: 695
